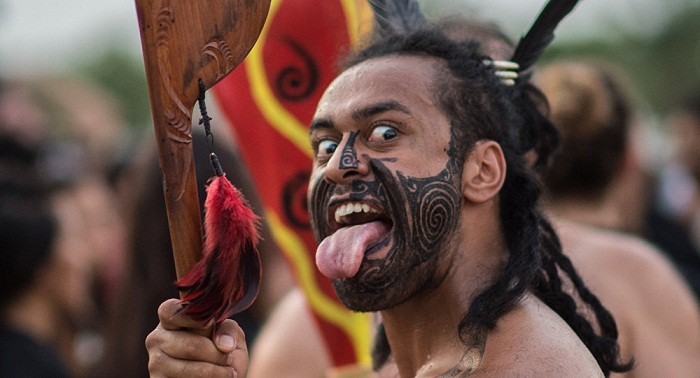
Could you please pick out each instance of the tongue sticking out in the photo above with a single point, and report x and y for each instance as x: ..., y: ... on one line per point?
x: 340, y: 255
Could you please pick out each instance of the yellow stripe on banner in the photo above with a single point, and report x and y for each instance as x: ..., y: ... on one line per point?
x: 355, y: 325
x: 359, y: 19
x: 275, y: 114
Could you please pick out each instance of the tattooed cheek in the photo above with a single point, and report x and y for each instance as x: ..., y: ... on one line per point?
x: 318, y: 195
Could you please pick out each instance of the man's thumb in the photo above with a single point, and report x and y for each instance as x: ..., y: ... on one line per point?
x: 229, y: 336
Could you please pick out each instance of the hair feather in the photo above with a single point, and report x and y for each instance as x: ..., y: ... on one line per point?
x: 397, y: 16
x: 541, y: 33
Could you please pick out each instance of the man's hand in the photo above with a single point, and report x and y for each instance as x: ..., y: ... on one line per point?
x: 180, y: 347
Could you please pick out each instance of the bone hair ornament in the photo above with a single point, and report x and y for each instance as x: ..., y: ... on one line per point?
x: 404, y: 16
x: 506, y: 70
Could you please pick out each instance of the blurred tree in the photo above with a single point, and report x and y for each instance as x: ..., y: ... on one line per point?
x: 122, y: 75
x: 662, y: 66
x: 677, y: 53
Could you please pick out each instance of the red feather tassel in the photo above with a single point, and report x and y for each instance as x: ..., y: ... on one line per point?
x: 227, y: 279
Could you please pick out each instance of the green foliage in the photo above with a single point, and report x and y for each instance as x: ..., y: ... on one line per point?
x: 662, y: 67
x: 122, y: 75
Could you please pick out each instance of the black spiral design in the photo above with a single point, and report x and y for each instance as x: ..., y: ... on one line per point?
x: 435, y: 214
x: 348, y: 159
x: 295, y: 83
x: 434, y: 204
x: 318, y: 207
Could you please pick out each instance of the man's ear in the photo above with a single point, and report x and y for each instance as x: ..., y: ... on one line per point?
x: 484, y: 172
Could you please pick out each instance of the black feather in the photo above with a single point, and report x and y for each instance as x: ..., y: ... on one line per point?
x: 541, y: 33
x: 397, y: 16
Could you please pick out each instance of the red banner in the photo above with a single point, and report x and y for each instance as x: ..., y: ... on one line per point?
x: 269, y: 101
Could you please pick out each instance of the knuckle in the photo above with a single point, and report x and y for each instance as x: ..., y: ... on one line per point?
x: 152, y: 339
x: 167, y: 308
x: 155, y: 359
x: 162, y: 309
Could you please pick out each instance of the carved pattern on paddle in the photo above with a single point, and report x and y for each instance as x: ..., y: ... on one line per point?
x: 185, y: 41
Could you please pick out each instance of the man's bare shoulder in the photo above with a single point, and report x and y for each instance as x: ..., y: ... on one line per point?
x: 619, y: 268
x: 533, y: 341
x: 609, y: 259
x: 642, y: 290
x: 289, y: 345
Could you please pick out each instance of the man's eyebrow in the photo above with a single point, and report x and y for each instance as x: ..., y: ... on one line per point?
x: 360, y: 114
x: 378, y: 108
x: 320, y: 123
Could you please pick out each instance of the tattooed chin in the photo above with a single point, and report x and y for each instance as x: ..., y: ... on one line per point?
x: 424, y: 217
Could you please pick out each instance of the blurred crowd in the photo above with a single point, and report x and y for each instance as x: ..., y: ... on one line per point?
x: 84, y: 246
x: 85, y: 255
x: 58, y: 166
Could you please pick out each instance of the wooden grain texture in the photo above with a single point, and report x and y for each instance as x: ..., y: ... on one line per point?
x: 185, y: 41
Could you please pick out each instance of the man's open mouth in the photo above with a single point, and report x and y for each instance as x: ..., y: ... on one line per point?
x: 356, y: 213
x: 356, y: 229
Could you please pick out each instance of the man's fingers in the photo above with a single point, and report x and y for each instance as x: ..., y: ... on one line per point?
x: 161, y: 365
x: 171, y: 320
x: 230, y: 336
x: 183, y: 345
x: 230, y: 339
x: 238, y: 360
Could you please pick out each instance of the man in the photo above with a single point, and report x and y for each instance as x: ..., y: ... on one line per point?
x: 418, y: 220
x: 633, y: 280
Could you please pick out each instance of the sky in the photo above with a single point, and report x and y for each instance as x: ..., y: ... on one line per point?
x: 45, y: 36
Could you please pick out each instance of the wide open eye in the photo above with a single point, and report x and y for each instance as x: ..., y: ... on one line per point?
x: 382, y: 134
x: 326, y: 148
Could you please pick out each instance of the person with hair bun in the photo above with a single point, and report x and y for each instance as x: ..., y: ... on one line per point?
x: 657, y: 314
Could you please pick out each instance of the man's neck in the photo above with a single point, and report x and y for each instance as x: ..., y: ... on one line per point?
x: 424, y: 332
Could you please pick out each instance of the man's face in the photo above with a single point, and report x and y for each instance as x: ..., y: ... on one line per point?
x: 384, y: 196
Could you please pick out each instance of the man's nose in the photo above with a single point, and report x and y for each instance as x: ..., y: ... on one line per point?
x: 346, y: 163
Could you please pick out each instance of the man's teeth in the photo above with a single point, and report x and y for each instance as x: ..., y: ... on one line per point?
x: 350, y: 208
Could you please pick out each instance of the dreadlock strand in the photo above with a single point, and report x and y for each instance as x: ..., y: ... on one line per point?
x: 519, y: 222
x: 604, y: 344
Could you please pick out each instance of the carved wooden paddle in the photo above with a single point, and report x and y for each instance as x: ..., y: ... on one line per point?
x: 185, y: 41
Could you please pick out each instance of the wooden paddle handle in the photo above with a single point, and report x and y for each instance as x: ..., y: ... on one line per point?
x: 185, y: 41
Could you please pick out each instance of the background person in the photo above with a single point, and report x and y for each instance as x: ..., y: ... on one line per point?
x: 636, y: 281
